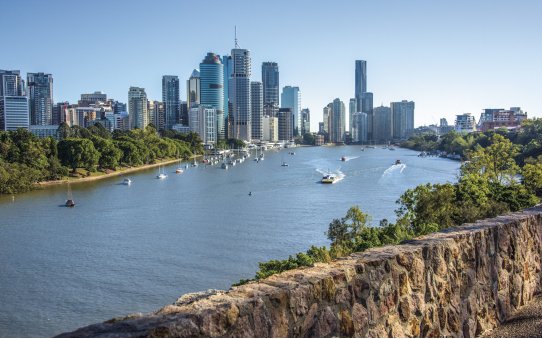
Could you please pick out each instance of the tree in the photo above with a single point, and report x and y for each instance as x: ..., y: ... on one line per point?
x: 308, y: 139
x: 77, y: 152
x: 110, y: 154
x: 532, y: 178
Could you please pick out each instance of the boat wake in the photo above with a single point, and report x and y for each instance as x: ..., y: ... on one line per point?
x: 337, y: 173
x: 350, y: 158
x: 392, y: 172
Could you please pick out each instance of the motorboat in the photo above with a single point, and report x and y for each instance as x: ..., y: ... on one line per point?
x: 224, y: 166
x: 179, y: 170
x: 328, y: 179
x: 127, y: 181
x: 343, y: 158
x: 284, y: 164
x: 70, y: 203
x: 397, y: 162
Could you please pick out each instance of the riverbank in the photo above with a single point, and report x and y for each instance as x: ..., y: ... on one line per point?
x: 120, y: 172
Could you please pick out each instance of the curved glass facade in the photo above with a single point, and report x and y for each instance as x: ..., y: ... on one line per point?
x: 212, y: 88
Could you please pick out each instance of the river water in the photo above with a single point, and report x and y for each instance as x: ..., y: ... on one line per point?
x: 126, y: 249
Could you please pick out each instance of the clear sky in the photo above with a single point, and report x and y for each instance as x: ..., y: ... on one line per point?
x: 450, y: 57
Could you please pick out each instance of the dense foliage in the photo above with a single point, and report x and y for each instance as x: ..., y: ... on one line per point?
x: 488, y: 185
x: 26, y: 159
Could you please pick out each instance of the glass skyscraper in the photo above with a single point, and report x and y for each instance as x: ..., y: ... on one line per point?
x: 13, y: 101
x: 256, y: 103
x: 291, y: 98
x: 171, y: 100
x: 270, y: 81
x: 40, y: 96
x: 239, y: 92
x: 212, y: 89
x: 403, y: 119
x: 138, y: 108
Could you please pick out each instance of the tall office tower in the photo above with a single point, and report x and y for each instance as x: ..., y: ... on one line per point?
x: 367, y: 102
x: 326, y: 116
x: 40, y: 97
x: 270, y: 80
x: 157, y: 113
x: 240, y: 94
x: 119, y: 107
x: 360, y: 83
x: 171, y: 100
x: 305, y: 121
x: 291, y: 98
x: 359, y: 127
x: 351, y: 110
x: 270, y: 129
x: 286, y: 128
x: 270, y: 110
x: 228, y: 69
x: 337, y: 121
x: 183, y: 113
x: 403, y: 119
x: 59, y: 112
x: 203, y: 121
x: 88, y: 99
x: 256, y: 111
x: 13, y: 102
x: 193, y: 89
x: 212, y: 89
x: 137, y: 108
x: 382, y: 126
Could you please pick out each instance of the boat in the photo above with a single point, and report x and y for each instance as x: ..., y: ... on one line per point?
x: 391, y: 148
x: 161, y: 175
x: 284, y: 164
x: 224, y: 166
x: 397, y: 162
x: 127, y: 181
x: 328, y: 179
x: 343, y: 158
x: 70, y: 202
x: 179, y: 169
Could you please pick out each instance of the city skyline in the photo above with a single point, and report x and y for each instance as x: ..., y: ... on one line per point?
x: 423, y: 54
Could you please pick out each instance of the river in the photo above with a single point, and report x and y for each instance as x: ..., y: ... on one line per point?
x: 126, y: 249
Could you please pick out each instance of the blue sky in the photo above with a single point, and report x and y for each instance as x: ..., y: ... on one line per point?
x: 449, y: 57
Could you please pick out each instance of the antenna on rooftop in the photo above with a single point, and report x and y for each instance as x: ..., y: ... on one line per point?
x: 236, y: 44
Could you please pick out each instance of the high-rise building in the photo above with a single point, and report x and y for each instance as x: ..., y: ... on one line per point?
x: 271, y: 109
x: 212, y: 89
x: 403, y: 119
x: 270, y: 126
x: 291, y: 98
x: 352, y: 108
x: 228, y: 69
x: 193, y: 89
x: 88, y: 99
x: 326, y: 116
x: 256, y: 104
x: 157, y: 113
x: 286, y: 128
x: 40, y: 97
x: 203, y: 121
x: 359, y: 127
x: 270, y: 81
x: 171, y: 101
x: 59, y: 112
x: 382, y: 126
x: 360, y: 83
x: 465, y: 123
x: 337, y: 121
x: 305, y: 121
x: 183, y: 114
x: 13, y: 102
x: 137, y: 108
x: 239, y: 92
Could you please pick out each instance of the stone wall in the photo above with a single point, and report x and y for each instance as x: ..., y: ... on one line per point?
x: 459, y: 282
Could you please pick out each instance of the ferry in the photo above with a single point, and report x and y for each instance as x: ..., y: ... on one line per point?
x: 328, y: 179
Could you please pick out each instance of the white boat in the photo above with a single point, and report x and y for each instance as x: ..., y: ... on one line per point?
x: 127, y: 181
x: 284, y: 164
x: 161, y: 175
x: 179, y: 169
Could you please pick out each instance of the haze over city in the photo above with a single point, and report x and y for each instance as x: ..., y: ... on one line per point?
x: 450, y: 58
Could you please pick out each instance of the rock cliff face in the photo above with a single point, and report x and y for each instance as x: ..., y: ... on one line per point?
x: 462, y: 281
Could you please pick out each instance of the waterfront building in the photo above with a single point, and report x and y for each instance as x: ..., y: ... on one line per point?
x: 492, y: 119
x: 203, y: 121
x: 157, y: 113
x: 193, y: 89
x: 382, y: 124
x: 305, y: 121
x: 137, y: 108
x: 285, y: 120
x: 352, y: 108
x: 240, y: 94
x: 90, y: 99
x: 359, y: 128
x: 326, y: 116
x: 270, y: 81
x: 183, y: 113
x: 171, y: 101
x: 360, y: 83
x: 40, y: 98
x: 212, y: 89
x: 319, y: 139
x: 228, y: 69
x: 270, y: 109
x: 44, y: 131
x: 337, y: 121
x: 270, y: 128
x: 465, y: 123
x: 291, y: 98
x: 403, y: 119
x: 256, y: 104
x: 14, y: 110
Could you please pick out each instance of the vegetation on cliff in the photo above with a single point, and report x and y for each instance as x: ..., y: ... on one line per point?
x: 488, y: 185
x: 26, y: 159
